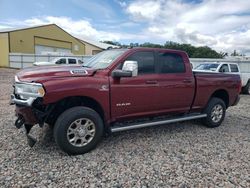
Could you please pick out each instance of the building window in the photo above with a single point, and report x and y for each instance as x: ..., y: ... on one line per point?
x: 76, y: 47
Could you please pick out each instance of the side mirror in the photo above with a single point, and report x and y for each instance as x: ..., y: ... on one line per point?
x: 131, y: 66
x: 121, y: 73
x: 129, y: 69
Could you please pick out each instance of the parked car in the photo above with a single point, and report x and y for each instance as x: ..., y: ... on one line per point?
x: 231, y: 68
x: 119, y: 90
x: 60, y: 61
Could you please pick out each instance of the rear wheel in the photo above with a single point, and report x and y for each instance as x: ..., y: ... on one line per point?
x: 246, y: 89
x: 78, y: 130
x: 215, y: 110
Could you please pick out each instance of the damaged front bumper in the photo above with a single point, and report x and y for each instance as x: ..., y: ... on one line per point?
x: 28, y: 116
x: 30, y: 139
x: 27, y: 102
x: 26, y: 119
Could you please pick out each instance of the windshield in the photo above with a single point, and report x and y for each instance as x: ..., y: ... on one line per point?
x: 209, y: 66
x: 103, y: 59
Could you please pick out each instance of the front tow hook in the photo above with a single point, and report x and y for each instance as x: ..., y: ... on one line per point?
x: 11, y: 99
x: 30, y: 139
x: 19, y: 122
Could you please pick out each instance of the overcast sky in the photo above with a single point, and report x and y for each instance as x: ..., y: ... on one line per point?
x: 221, y: 24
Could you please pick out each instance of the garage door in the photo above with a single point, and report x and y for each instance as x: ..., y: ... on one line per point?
x: 40, y: 49
x: 45, y: 45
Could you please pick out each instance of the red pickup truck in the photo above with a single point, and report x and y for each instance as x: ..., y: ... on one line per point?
x: 118, y: 90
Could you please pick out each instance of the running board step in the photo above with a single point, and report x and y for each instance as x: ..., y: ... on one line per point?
x: 161, y: 122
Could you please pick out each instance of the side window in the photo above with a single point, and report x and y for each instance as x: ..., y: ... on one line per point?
x: 171, y: 63
x: 234, y: 68
x: 145, y: 60
x: 61, y: 61
x: 224, y: 68
x: 72, y: 61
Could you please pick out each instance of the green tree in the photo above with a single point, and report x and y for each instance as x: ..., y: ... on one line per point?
x: 192, y: 51
x: 112, y: 43
x: 150, y: 45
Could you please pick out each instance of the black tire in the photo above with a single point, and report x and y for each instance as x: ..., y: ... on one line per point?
x: 246, y: 89
x: 214, y: 119
x: 67, y: 119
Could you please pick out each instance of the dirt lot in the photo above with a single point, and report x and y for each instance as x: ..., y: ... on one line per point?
x: 180, y: 155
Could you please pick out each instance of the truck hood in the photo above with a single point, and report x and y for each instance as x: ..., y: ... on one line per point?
x: 42, y: 63
x: 39, y: 74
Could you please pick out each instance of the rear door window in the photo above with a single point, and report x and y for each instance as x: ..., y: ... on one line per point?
x: 234, y: 68
x: 72, y: 61
x: 170, y: 63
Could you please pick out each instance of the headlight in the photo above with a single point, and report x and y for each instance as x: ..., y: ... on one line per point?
x: 27, y: 90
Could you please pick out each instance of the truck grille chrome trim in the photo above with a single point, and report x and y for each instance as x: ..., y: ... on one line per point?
x: 26, y: 102
x: 149, y: 124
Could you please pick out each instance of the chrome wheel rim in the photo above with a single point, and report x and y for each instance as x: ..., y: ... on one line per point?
x: 217, y: 113
x: 81, y: 132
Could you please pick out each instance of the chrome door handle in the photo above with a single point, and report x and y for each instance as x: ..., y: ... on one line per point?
x: 187, y: 81
x: 151, y: 82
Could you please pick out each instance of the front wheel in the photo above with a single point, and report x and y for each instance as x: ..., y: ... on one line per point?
x: 78, y: 130
x: 215, y: 110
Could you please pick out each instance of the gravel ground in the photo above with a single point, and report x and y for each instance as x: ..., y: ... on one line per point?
x: 177, y: 155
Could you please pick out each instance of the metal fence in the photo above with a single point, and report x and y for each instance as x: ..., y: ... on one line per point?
x: 17, y: 60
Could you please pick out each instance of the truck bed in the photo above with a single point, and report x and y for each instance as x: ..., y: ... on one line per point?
x: 207, y: 83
